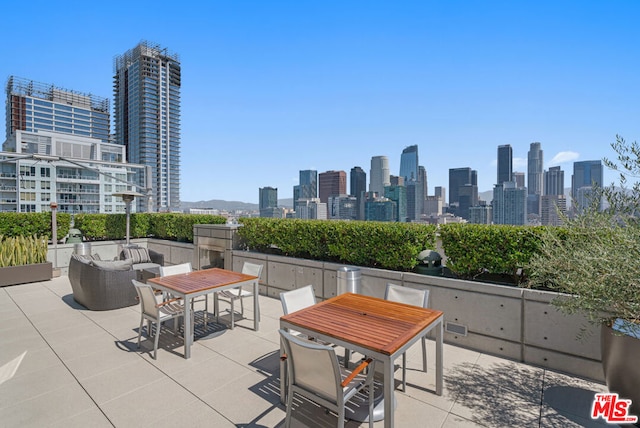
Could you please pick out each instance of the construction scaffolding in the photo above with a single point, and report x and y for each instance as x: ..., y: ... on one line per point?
x: 24, y: 87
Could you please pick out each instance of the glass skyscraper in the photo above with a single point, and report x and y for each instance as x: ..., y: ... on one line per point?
x: 147, y: 118
x: 586, y: 174
x: 308, y: 187
x: 409, y: 164
x: 505, y: 163
x: 358, y: 187
x: 535, y: 179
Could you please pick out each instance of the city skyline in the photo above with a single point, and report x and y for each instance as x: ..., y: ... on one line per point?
x: 275, y: 89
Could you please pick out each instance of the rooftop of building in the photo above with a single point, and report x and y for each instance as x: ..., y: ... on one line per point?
x: 82, y: 368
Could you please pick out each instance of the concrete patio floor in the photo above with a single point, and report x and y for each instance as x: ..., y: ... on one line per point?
x: 83, y: 369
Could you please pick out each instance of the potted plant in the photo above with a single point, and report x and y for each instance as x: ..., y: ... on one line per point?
x: 24, y: 259
x: 594, y: 260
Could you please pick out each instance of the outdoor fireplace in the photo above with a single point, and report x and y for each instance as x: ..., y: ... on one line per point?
x: 214, y: 243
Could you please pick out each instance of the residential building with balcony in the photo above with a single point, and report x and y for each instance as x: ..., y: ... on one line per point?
x: 38, y: 168
x: 58, y: 149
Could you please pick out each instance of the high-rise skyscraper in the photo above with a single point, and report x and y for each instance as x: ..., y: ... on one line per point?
x: 505, y: 163
x: 586, y: 174
x: 398, y: 194
x: 554, y: 202
x: 535, y: 179
x: 147, y: 117
x: 554, y: 181
x: 535, y: 170
x: 358, y: 187
x: 268, y: 199
x: 308, y: 187
x: 379, y: 174
x: 441, y: 192
x: 509, y: 204
x: 331, y: 183
x: 457, y: 177
x: 409, y: 164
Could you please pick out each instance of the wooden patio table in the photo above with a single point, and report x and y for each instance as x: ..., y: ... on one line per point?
x: 201, y: 282
x: 377, y: 328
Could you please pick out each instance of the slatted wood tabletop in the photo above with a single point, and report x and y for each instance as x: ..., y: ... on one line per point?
x: 376, y: 324
x: 201, y: 280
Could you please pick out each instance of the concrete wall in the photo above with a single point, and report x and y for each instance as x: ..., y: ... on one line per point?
x: 506, y: 321
x: 174, y: 252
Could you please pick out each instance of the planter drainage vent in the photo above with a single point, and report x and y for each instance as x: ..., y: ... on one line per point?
x: 458, y: 329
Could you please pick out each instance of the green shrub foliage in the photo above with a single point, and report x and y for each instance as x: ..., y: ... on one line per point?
x: 498, y: 249
x: 29, y: 224
x: 171, y: 226
x: 392, y: 246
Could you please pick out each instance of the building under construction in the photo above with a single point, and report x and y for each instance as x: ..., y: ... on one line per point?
x: 33, y: 106
x: 147, y: 117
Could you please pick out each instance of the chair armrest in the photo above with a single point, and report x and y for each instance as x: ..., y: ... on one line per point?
x: 363, y: 365
x: 166, y: 302
x: 156, y: 257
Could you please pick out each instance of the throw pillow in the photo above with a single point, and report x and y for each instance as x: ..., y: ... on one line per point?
x: 81, y: 259
x: 113, y: 265
x: 137, y: 254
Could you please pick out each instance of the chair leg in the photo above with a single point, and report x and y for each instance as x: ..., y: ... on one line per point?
x: 216, y: 307
x: 206, y: 311
x: 341, y: 417
x: 241, y: 306
x: 287, y: 421
x: 140, y: 330
x: 371, y: 391
x: 155, y: 345
x: 424, y: 354
x: 232, y: 313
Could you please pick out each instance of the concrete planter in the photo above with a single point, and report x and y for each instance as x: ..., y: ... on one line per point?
x: 12, y: 275
x: 620, y: 363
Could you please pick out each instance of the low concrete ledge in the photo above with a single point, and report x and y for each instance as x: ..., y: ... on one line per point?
x: 509, y: 322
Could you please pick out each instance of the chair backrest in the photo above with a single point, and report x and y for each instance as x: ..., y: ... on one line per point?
x: 297, y: 299
x: 147, y: 298
x: 313, y: 367
x: 175, y: 269
x: 407, y: 295
x: 252, y: 269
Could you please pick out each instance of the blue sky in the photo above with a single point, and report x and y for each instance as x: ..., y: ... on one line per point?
x: 273, y: 87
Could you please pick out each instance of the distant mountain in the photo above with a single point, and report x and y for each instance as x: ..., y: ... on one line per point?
x: 488, y: 196
x: 218, y: 204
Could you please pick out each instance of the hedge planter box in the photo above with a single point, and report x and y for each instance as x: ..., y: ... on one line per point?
x: 12, y: 275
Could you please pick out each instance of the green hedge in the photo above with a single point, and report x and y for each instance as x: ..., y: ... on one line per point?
x: 171, y: 226
x: 29, y: 224
x: 498, y: 249
x: 392, y: 246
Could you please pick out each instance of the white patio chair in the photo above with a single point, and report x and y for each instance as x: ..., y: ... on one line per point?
x: 239, y: 293
x: 155, y: 312
x: 297, y: 299
x: 314, y: 373
x: 415, y: 297
x: 186, y: 268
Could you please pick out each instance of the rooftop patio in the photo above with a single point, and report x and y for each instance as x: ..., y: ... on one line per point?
x: 82, y: 368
